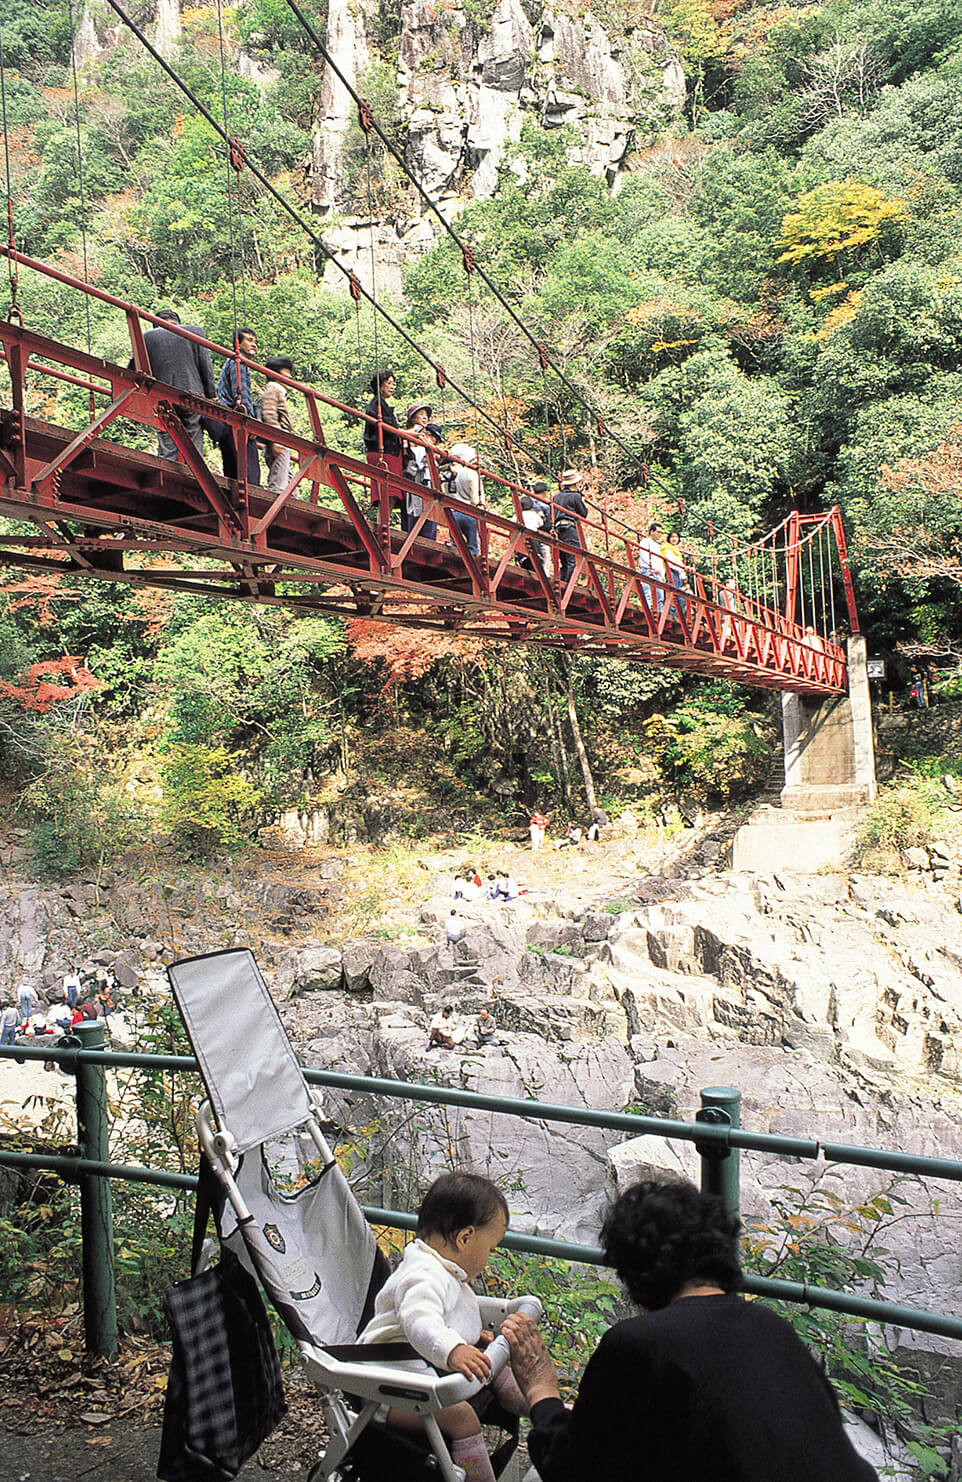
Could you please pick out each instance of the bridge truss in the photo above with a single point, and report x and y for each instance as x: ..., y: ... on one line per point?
x: 80, y: 501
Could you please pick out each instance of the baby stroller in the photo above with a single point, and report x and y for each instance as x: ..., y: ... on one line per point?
x: 287, y: 1212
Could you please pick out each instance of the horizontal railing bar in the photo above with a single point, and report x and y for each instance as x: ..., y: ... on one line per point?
x: 844, y: 1152
x: 701, y: 1132
x: 893, y: 1313
x: 853, y: 1306
x: 73, y: 1168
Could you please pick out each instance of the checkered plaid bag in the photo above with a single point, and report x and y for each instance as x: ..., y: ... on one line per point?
x: 224, y: 1393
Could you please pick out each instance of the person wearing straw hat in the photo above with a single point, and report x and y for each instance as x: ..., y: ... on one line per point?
x: 569, y: 508
x: 416, y: 468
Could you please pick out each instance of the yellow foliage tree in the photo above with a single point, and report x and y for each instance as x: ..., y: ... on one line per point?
x: 837, y: 217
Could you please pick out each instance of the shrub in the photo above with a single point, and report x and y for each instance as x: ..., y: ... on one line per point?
x: 75, y: 821
x: 904, y: 817
x: 205, y: 800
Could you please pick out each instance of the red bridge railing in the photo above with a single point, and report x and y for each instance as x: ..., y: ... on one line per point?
x: 105, y: 510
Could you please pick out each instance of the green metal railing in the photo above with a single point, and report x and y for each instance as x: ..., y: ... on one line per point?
x: 716, y: 1133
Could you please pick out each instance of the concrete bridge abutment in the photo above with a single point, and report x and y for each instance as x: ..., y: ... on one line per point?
x: 829, y: 778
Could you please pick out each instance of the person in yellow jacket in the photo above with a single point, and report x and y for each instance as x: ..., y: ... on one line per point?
x: 675, y: 566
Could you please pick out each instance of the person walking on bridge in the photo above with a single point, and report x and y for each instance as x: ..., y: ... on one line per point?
x: 276, y: 413
x: 569, y: 509
x: 383, y: 447
x: 651, y: 563
x: 234, y: 390
x: 185, y: 365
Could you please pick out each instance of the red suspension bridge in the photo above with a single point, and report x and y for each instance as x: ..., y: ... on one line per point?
x: 765, y: 615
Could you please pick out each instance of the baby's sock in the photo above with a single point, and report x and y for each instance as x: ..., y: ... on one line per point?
x: 471, y: 1453
x: 509, y: 1395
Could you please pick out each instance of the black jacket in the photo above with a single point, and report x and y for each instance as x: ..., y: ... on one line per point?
x: 569, y: 503
x: 180, y: 362
x: 392, y: 443
x: 708, y: 1388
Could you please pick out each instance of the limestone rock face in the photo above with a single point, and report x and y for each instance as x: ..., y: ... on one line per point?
x: 466, y: 84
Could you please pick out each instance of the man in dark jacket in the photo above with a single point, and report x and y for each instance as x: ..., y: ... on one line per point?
x: 181, y: 363
x: 236, y: 392
x: 569, y: 508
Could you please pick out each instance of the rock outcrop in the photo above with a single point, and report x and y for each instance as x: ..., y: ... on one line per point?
x: 468, y: 79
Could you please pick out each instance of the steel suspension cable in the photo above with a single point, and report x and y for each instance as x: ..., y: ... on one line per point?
x: 13, y: 312
x: 285, y: 205
x: 398, y: 157
x: 821, y: 575
x: 365, y: 125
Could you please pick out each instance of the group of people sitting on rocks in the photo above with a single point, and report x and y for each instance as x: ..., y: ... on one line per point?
x: 575, y: 834
x: 499, y: 886
x: 446, y: 1030
x: 40, y: 1015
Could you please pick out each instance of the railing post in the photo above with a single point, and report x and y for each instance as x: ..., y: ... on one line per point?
x: 96, y: 1213
x: 720, y: 1106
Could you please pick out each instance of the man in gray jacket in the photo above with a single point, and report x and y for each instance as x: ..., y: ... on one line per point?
x: 181, y: 363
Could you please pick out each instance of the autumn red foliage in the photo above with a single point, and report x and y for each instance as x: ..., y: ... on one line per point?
x: 407, y: 653
x: 39, y: 688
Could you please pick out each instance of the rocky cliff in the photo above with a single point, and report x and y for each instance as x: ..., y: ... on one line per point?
x: 454, y: 81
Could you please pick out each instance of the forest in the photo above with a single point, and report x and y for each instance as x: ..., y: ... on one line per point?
x: 766, y: 312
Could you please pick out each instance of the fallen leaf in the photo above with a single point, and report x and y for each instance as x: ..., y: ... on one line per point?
x: 95, y: 1417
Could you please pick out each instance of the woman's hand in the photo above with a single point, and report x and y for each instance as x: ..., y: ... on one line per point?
x: 530, y: 1359
x: 469, y: 1361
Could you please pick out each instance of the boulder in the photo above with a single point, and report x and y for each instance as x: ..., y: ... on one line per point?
x: 126, y: 969
x: 596, y: 926
x: 317, y: 969
x: 389, y: 967
x: 357, y: 959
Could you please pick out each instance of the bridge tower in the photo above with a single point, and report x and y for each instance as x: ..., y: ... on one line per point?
x: 829, y: 778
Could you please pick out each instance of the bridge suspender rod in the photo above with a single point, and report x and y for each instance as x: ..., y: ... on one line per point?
x: 286, y: 205
x: 229, y: 166
x: 13, y: 311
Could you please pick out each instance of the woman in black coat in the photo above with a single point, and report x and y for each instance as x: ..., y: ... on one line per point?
x: 382, y: 443
x: 702, y: 1385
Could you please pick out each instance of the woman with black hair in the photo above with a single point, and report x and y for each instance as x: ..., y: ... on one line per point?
x: 382, y: 441
x: 703, y: 1385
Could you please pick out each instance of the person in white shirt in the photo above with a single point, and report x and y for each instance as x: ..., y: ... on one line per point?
x: 465, y: 484
x: 72, y: 987
x: 444, y: 1030
x: 429, y: 1303
x: 652, y: 563
x: 9, y: 1019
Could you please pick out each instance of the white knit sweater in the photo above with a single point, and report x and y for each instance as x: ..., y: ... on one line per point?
x: 428, y: 1303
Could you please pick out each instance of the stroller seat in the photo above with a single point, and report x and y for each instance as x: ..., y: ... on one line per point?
x: 288, y: 1213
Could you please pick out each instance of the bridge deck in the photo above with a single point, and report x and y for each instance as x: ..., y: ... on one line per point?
x: 115, y: 512
x: 325, y: 543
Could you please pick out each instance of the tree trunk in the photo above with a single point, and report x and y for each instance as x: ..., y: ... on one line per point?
x: 583, y: 762
x: 557, y: 746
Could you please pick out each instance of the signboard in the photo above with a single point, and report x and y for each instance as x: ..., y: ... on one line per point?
x: 875, y: 668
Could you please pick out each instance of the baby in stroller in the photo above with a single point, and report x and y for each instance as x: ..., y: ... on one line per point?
x: 428, y: 1303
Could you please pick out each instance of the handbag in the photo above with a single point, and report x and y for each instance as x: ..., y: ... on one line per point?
x: 224, y: 1393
